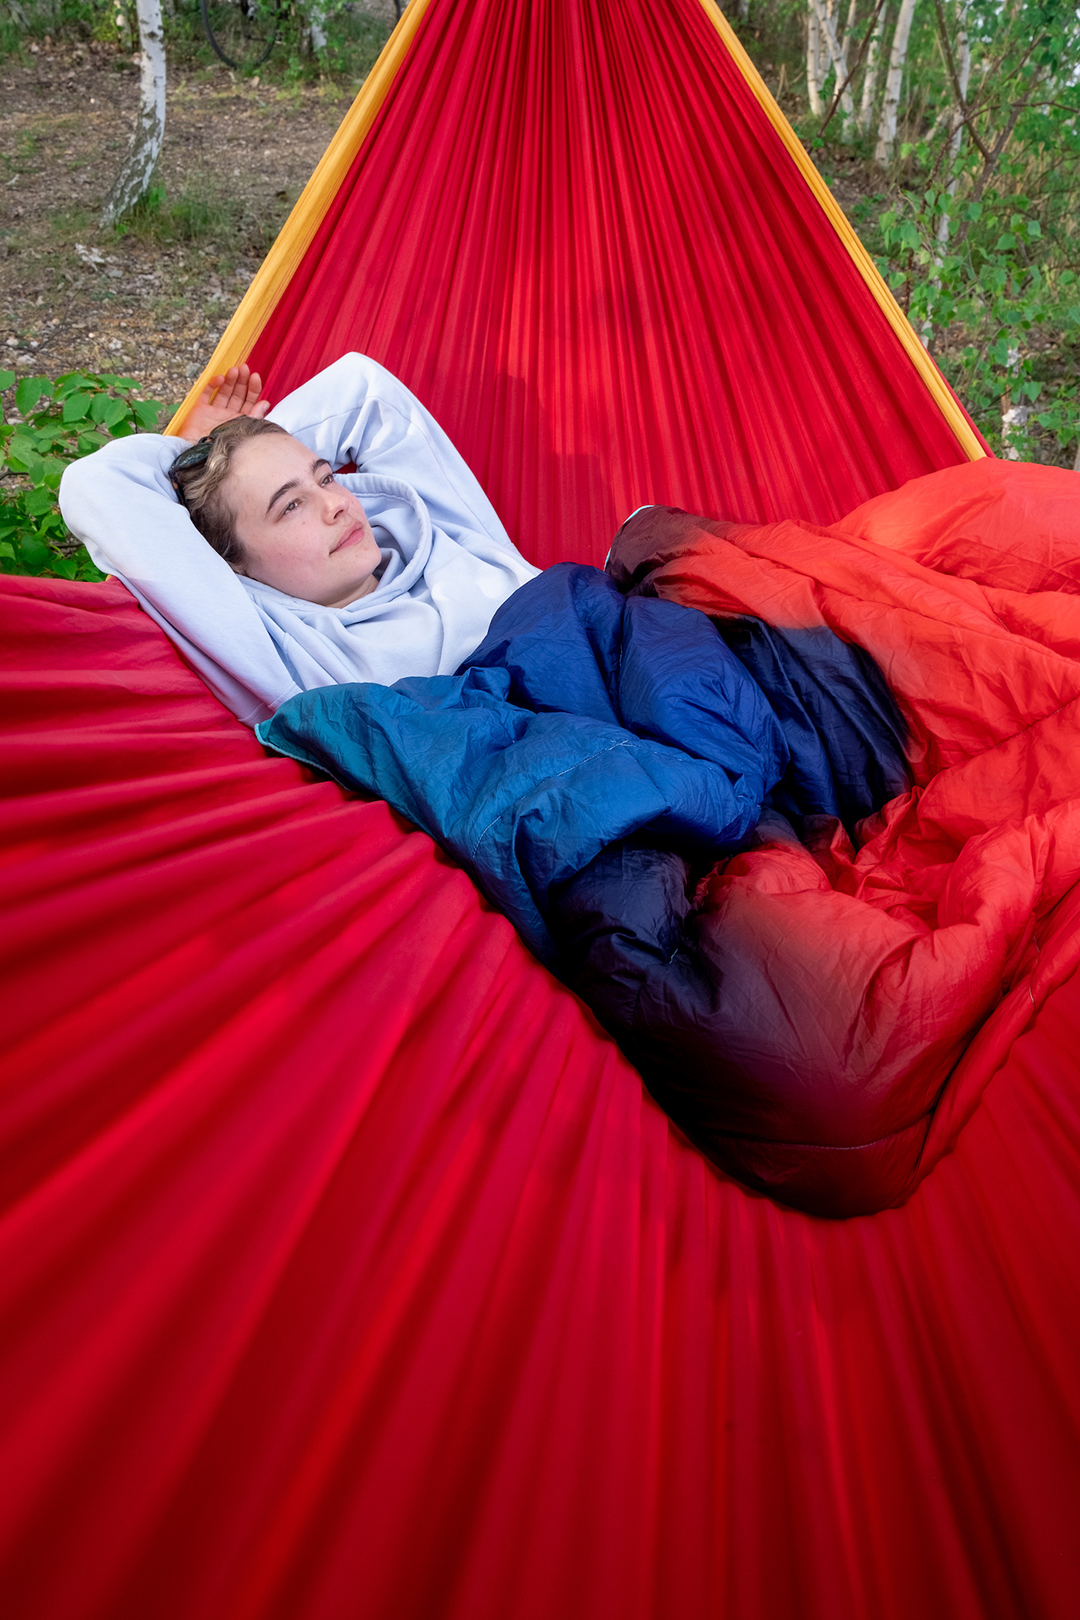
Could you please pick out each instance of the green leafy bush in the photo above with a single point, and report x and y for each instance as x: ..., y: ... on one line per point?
x: 56, y: 423
x: 994, y: 304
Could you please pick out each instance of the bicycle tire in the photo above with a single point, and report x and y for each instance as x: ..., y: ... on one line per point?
x: 242, y: 33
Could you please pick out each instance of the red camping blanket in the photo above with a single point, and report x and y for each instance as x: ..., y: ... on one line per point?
x: 880, y: 959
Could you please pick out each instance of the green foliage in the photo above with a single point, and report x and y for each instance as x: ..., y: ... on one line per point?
x: 995, y: 305
x: 353, y: 43
x: 58, y: 422
x: 354, y: 40
x: 975, y: 220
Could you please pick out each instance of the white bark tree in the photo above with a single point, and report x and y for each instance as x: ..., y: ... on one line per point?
x: 316, y: 21
x: 133, y: 181
x: 954, y: 120
x: 1014, y: 418
x: 887, y: 127
x: 870, y: 75
x: 827, y: 27
x: 963, y: 78
x: 815, y: 66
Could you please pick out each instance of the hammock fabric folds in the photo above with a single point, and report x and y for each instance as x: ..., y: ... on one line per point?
x: 346, y: 1267
x: 576, y: 234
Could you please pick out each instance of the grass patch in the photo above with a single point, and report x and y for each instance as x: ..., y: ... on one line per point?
x: 204, y: 214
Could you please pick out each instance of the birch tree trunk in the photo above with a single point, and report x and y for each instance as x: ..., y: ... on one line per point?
x: 963, y: 78
x: 133, y: 181
x: 814, y: 74
x: 887, y: 128
x: 316, y: 22
x: 941, y: 234
x: 839, y: 62
x: 870, y: 74
x: 1013, y: 417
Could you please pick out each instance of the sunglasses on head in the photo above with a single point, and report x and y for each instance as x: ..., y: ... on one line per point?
x: 194, y: 456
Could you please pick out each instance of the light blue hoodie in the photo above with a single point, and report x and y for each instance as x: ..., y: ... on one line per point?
x: 448, y: 563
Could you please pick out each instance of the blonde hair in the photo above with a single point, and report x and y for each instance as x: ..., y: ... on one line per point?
x: 199, y: 487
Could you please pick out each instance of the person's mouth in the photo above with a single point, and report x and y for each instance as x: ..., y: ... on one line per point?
x: 351, y: 537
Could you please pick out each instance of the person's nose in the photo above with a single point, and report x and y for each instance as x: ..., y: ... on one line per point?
x: 334, y: 503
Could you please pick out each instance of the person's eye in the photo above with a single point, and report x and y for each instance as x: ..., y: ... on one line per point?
x: 329, y: 479
x: 291, y: 507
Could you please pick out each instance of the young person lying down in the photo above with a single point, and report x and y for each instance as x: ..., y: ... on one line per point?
x: 683, y: 778
x: 276, y: 575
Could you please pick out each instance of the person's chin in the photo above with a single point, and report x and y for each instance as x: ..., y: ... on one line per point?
x: 357, y: 538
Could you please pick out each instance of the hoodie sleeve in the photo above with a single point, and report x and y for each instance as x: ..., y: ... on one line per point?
x: 358, y: 411
x: 120, y: 504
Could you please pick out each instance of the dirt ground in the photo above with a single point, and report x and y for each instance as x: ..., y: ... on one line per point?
x: 236, y: 156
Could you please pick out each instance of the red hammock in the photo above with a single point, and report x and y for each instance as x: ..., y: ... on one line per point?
x: 347, y: 1269
x: 345, y: 1266
x: 575, y: 232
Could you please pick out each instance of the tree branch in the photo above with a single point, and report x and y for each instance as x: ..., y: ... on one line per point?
x: 954, y: 78
x: 863, y: 48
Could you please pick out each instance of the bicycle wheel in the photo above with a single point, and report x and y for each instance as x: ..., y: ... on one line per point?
x: 242, y: 32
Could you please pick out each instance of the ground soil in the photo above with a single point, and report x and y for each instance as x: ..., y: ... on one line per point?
x: 73, y: 295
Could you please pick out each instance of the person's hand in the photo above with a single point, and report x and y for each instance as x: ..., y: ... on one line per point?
x: 234, y: 394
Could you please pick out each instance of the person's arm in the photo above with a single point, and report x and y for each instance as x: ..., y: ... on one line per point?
x: 358, y: 411
x: 120, y: 503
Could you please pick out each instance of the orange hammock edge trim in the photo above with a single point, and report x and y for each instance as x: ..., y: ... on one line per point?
x: 298, y: 231
x: 935, y: 383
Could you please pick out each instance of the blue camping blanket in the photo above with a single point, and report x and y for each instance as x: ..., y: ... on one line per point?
x: 585, y: 718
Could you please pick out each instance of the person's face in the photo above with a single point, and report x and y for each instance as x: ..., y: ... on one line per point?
x: 302, y: 532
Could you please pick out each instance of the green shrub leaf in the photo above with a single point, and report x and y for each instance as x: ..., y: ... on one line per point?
x: 37, y: 557
x: 38, y: 502
x: 28, y: 393
x: 75, y: 407
x: 116, y: 411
